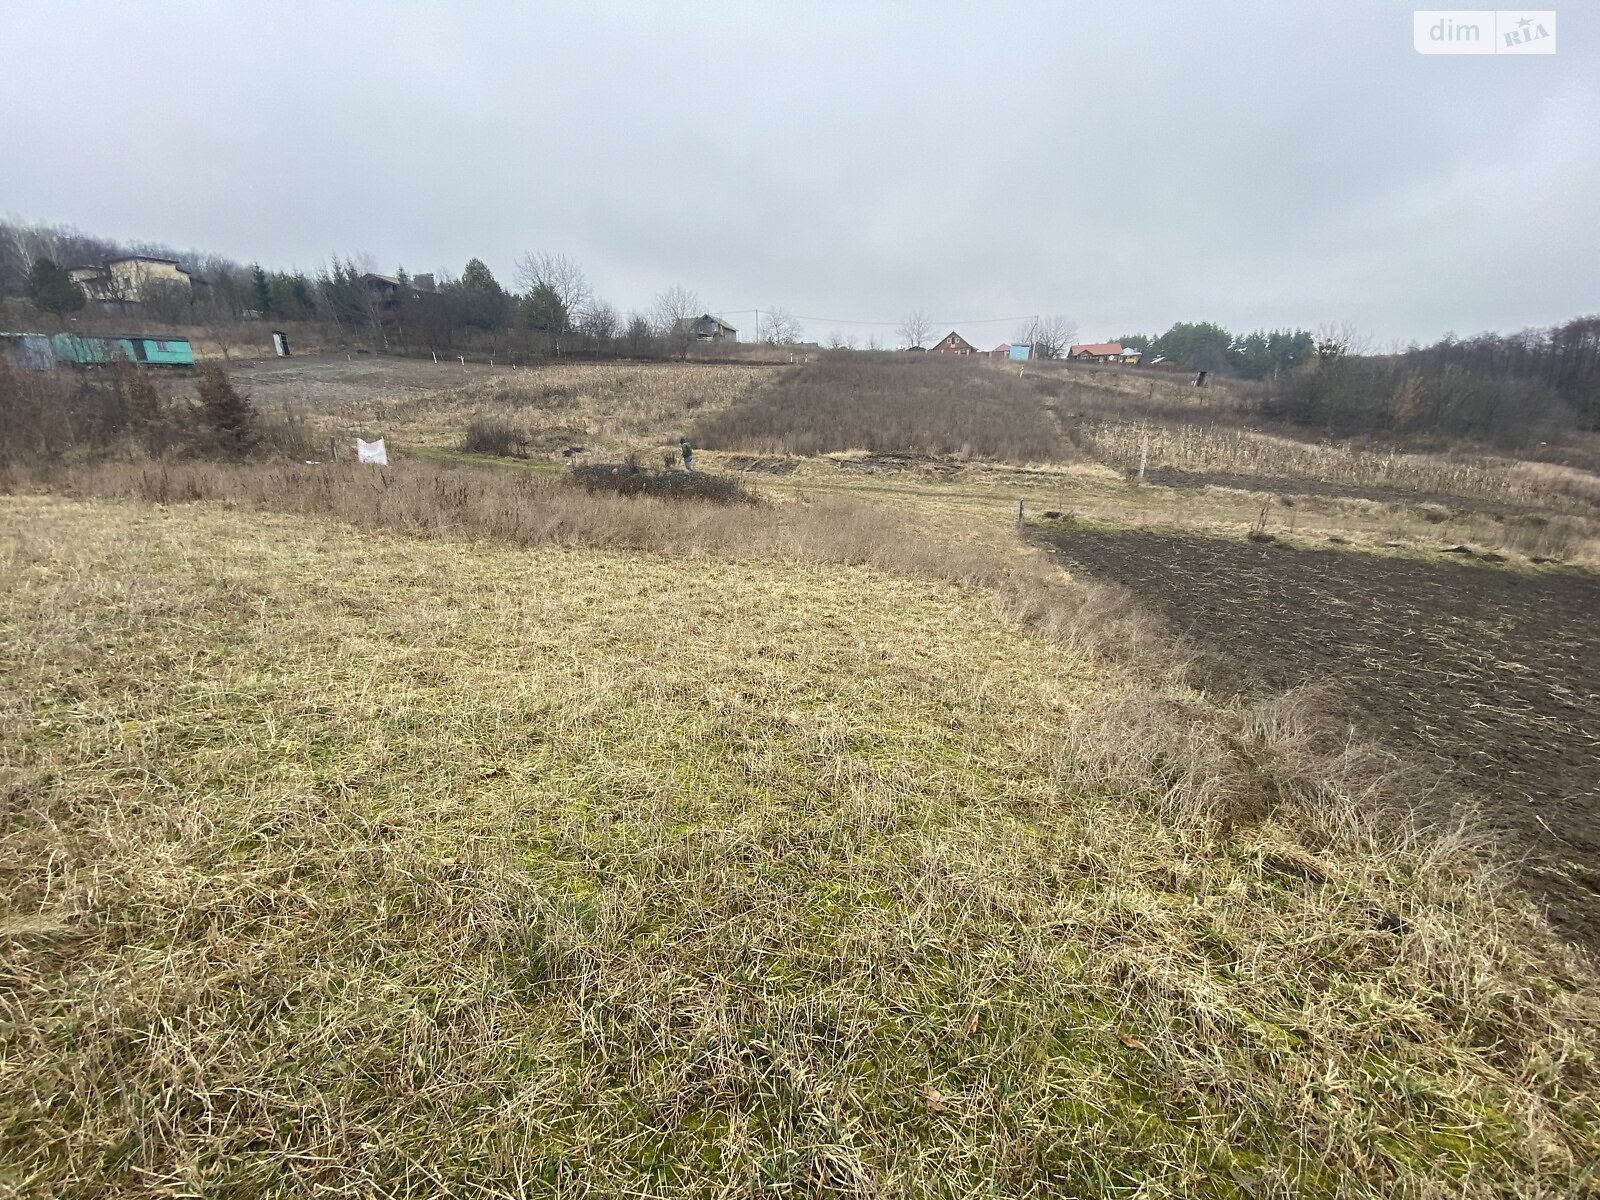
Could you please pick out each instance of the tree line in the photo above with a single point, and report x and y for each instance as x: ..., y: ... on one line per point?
x: 551, y: 308
x: 1499, y: 387
x: 1506, y: 388
x: 1207, y: 346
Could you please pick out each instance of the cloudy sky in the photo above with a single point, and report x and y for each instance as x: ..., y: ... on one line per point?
x: 1125, y: 164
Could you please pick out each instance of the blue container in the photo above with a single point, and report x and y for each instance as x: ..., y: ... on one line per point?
x: 72, y: 350
x: 164, y: 352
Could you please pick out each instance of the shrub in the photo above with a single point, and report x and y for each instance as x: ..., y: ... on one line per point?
x: 491, y: 435
x: 631, y: 479
x: 147, y: 405
x: 45, y: 415
x: 228, y: 415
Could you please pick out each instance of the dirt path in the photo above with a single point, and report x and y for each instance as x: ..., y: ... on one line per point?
x: 1493, y: 673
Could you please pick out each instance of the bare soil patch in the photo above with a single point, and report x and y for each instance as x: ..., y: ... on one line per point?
x: 1493, y: 673
x: 889, y: 464
x: 767, y: 466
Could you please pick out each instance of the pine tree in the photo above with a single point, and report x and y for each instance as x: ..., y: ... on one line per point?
x: 260, y: 289
x: 49, y: 287
x: 229, y: 416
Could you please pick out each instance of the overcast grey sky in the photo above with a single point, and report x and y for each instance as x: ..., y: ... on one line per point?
x: 1125, y: 164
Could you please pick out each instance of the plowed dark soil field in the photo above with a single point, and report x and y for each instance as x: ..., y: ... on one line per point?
x: 1492, y: 673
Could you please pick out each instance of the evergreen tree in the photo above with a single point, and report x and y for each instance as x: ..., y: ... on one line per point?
x: 542, y: 309
x: 260, y: 290
x: 1250, y: 356
x: 51, y: 289
x: 484, y: 303
x: 229, y: 416
x: 300, y: 290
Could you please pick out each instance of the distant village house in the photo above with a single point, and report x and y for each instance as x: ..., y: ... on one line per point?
x: 954, y: 343
x: 706, y: 328
x: 386, y: 288
x: 135, y: 279
x: 1103, y: 352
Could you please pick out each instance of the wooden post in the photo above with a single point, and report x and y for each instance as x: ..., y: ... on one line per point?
x: 1019, y: 516
x: 1144, y: 454
x: 333, y: 450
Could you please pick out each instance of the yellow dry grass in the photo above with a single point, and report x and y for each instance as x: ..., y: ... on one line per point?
x: 609, y: 408
x: 1312, y: 491
x: 353, y: 863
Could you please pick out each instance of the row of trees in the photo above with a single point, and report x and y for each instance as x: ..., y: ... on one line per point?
x: 1207, y: 346
x: 552, y: 308
x: 1503, y: 388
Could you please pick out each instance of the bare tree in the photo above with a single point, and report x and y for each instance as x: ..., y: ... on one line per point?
x: 673, y: 313
x: 1050, y: 337
x: 781, y: 328
x: 562, y: 276
x: 1339, y: 340
x: 916, y: 329
x: 601, y: 323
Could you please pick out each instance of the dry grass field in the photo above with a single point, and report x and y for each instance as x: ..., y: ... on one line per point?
x: 449, y: 829
x: 609, y: 408
x: 346, y: 861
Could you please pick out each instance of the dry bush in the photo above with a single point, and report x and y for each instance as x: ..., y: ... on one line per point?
x: 490, y: 435
x: 48, y: 415
x: 899, y: 404
x: 631, y: 479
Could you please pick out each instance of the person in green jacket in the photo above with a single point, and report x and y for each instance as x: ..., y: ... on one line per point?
x: 688, y: 453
